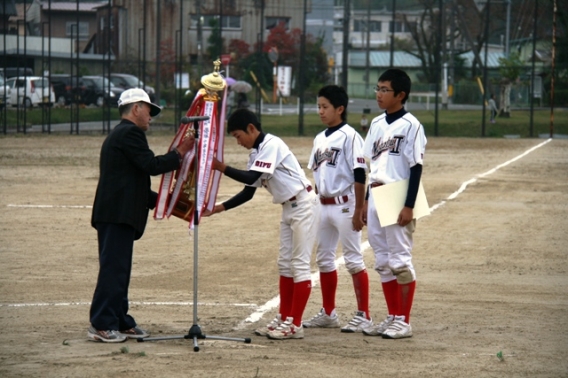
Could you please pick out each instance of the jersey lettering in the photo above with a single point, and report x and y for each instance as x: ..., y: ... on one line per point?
x: 262, y: 164
x: 392, y: 145
x: 329, y: 155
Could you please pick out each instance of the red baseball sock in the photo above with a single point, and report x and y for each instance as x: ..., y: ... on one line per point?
x: 361, y: 286
x: 405, y: 297
x: 302, y: 292
x: 390, y: 291
x: 328, y: 289
x: 286, y: 285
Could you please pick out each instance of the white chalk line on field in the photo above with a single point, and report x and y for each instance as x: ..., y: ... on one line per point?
x: 274, y: 302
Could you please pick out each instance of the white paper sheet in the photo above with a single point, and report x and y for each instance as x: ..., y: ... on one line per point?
x: 389, y: 200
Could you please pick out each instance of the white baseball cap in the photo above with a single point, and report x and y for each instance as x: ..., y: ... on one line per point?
x: 133, y: 95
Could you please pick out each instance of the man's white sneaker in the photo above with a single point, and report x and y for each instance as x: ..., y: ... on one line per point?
x: 322, y: 320
x: 358, y: 323
x: 287, y: 330
x: 263, y: 331
x: 398, y: 329
x: 379, y: 329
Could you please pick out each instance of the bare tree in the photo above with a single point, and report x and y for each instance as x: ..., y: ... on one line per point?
x: 425, y: 31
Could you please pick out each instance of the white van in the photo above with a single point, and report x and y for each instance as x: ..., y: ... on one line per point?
x: 30, y: 91
x: 4, y: 93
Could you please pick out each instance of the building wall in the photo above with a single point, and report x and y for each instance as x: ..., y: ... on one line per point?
x: 130, y: 22
x: 59, y: 21
x: 319, y: 23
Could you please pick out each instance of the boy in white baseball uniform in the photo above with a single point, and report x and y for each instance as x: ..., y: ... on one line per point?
x: 273, y: 166
x: 339, y: 170
x: 395, y: 145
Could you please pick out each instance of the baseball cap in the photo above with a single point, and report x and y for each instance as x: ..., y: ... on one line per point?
x: 133, y: 95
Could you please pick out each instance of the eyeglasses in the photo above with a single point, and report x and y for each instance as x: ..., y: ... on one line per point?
x: 382, y: 90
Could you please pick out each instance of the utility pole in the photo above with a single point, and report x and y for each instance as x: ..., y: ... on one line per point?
x: 199, y: 38
x: 158, y: 43
x: 508, y: 26
x: 392, y: 33
x: 145, y: 11
x: 260, y: 58
x: 368, y: 49
x: 302, y: 71
x: 220, y: 28
x: 532, y: 91
x: 452, y: 47
x: 487, y: 15
x: 345, y: 57
x: 553, y: 68
x: 443, y: 65
x: 437, y: 61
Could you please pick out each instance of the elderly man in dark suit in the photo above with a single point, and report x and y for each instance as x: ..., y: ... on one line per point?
x: 120, y: 211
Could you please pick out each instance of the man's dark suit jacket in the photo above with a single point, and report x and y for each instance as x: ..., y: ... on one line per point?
x: 124, y: 193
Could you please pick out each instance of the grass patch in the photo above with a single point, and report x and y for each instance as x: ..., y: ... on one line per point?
x: 451, y: 123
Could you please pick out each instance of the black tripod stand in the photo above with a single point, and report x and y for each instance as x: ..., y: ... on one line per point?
x: 195, y: 330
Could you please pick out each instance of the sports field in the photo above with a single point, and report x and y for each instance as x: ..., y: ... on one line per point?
x: 491, y: 262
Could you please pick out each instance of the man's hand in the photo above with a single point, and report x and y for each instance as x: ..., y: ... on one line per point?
x: 358, y: 220
x: 216, y: 209
x: 405, y: 217
x: 186, y: 145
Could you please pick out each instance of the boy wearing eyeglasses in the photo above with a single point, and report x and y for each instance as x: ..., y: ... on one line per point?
x: 395, y: 145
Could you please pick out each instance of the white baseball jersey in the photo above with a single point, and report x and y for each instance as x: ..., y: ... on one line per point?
x: 394, y: 148
x: 333, y: 160
x: 282, y: 174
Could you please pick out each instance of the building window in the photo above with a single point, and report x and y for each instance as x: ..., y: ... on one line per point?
x: 398, y: 27
x: 71, y: 30
x: 103, y: 23
x: 360, y: 26
x: 338, y: 24
x: 272, y: 22
x: 229, y: 22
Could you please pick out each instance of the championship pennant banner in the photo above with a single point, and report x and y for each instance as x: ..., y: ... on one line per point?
x: 177, y: 189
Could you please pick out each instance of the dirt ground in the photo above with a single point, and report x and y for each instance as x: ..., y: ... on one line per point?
x: 491, y: 266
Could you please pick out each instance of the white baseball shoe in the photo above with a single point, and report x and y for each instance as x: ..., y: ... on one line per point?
x: 358, y: 323
x: 287, y: 330
x: 322, y: 320
x: 398, y: 329
x: 379, y: 329
x: 263, y: 331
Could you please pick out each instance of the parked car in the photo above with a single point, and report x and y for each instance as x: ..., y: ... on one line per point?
x: 96, y: 91
x: 9, y: 72
x: 67, y: 88
x: 4, y: 93
x: 30, y: 91
x: 127, y: 81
